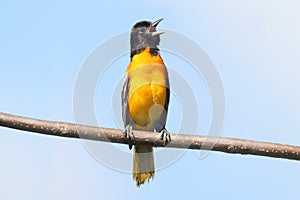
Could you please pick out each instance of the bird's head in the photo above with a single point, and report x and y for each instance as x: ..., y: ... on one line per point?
x: 143, y: 35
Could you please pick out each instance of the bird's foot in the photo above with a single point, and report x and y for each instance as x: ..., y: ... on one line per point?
x: 165, y: 136
x: 129, y: 135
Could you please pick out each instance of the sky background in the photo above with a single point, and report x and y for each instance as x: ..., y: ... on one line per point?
x: 254, y: 45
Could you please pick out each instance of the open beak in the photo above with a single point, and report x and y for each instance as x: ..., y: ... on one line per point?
x: 153, y: 28
x: 154, y: 24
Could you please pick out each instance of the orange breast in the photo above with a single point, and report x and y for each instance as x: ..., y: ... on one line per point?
x: 147, y: 91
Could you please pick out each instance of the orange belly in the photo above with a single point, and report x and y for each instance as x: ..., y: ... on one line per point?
x: 147, y: 91
x: 146, y: 104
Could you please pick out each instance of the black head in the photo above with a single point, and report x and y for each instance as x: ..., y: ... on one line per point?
x: 143, y: 35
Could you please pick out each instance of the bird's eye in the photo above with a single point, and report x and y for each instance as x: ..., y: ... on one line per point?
x: 142, y: 30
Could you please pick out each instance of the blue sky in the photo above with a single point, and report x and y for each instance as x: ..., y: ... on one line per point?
x: 254, y: 45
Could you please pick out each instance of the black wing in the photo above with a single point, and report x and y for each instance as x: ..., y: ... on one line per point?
x: 163, y: 119
x: 124, y: 97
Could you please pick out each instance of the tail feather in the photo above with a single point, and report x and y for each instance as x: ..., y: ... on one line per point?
x: 143, y: 164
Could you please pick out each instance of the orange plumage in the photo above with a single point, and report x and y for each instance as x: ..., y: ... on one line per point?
x: 145, y: 94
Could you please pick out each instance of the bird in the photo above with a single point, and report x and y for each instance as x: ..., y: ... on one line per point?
x: 145, y: 95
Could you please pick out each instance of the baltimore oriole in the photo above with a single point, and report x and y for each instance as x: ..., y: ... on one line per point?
x: 145, y: 94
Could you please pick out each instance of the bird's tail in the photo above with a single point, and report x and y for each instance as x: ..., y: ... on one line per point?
x: 143, y: 164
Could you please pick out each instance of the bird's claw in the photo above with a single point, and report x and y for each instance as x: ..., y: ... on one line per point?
x: 129, y: 135
x: 165, y: 136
